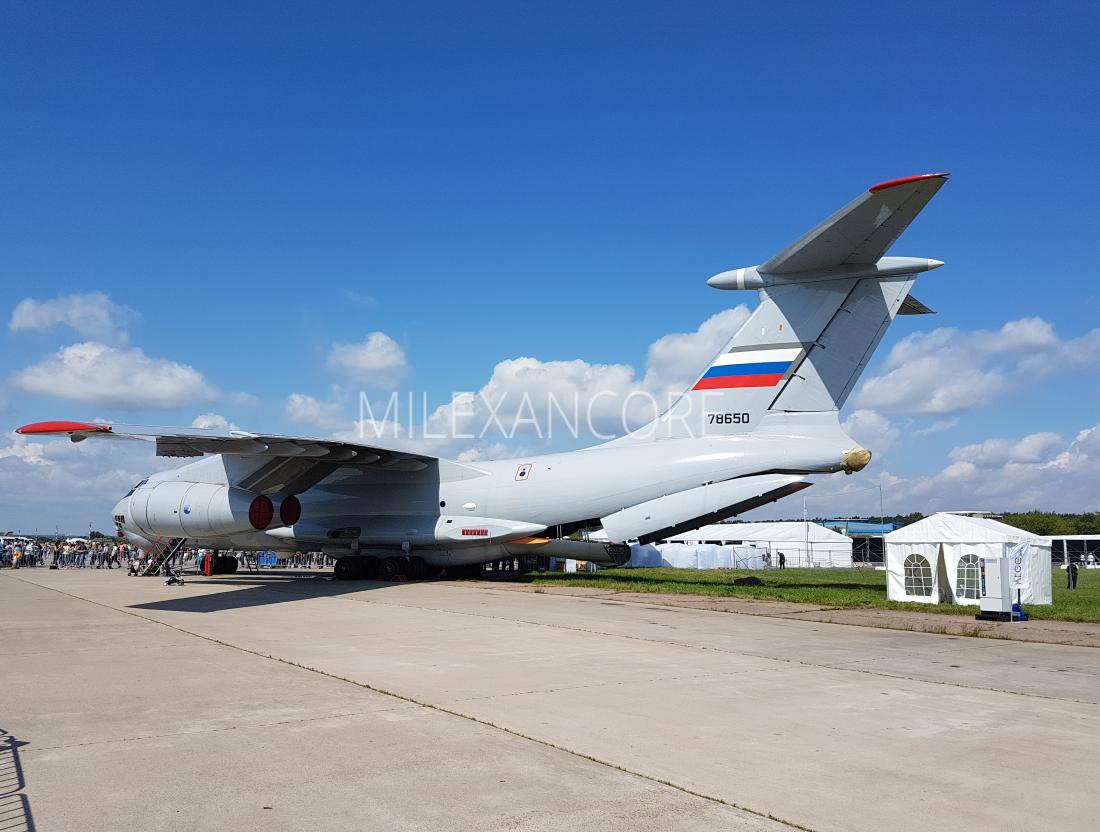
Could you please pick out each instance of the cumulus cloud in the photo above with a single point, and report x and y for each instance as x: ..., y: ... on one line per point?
x: 95, y: 373
x: 213, y: 421
x: 92, y: 314
x: 332, y: 415
x: 527, y: 398
x: 1037, y: 471
x: 57, y: 482
x: 1042, y: 470
x: 948, y: 370
x: 531, y: 397
x: 1032, y: 448
x: 378, y: 361
x: 871, y: 429
x: 674, y: 360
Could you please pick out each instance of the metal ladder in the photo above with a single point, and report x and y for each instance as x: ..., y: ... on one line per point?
x: 162, y: 550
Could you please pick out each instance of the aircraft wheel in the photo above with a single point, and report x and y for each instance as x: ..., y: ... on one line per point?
x: 225, y: 565
x: 345, y: 568
x: 393, y: 568
x: 418, y: 568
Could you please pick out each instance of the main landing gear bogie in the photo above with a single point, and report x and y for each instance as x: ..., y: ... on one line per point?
x: 397, y: 568
x: 394, y: 568
x: 355, y: 568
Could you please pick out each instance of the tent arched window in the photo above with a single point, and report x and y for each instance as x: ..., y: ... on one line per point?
x: 968, y: 577
x: 918, y: 576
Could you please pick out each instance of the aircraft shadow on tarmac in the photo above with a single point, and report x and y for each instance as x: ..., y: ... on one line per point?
x: 15, y: 809
x: 256, y: 590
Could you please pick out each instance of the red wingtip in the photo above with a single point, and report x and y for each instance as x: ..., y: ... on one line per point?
x: 61, y: 427
x: 905, y: 180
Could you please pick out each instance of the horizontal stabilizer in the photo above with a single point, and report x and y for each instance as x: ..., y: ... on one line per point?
x: 861, y: 232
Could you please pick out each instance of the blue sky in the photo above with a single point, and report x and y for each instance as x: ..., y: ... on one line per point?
x: 483, y: 182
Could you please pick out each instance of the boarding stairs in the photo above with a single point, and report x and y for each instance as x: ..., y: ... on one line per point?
x: 164, y: 548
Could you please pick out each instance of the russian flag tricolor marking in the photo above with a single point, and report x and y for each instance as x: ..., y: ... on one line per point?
x: 751, y: 368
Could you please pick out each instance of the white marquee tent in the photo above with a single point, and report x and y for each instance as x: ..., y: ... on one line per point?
x: 937, y: 560
x: 803, y: 543
x: 687, y: 556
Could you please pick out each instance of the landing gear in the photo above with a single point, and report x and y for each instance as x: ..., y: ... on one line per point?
x: 394, y: 568
x: 370, y: 568
x: 465, y: 570
x: 345, y: 568
x: 355, y: 567
x: 224, y: 565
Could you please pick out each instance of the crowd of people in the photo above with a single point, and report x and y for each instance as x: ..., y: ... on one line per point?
x: 18, y: 553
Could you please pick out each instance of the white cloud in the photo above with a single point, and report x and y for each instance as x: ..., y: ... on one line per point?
x: 950, y: 370
x: 94, y: 373
x: 48, y: 482
x: 1033, y: 448
x: 529, y: 398
x: 332, y: 415
x: 213, y: 421
x: 674, y: 360
x: 937, y: 426
x: 871, y: 429
x: 379, y: 360
x: 1037, y: 471
x: 577, y: 399
x: 93, y: 315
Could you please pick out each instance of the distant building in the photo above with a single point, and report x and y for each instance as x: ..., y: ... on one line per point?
x: 867, y: 545
x: 1078, y: 548
x: 860, y: 527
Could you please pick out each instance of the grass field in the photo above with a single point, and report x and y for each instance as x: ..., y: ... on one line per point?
x: 825, y: 587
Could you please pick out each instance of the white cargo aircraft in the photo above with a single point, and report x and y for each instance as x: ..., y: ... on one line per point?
x: 762, y: 416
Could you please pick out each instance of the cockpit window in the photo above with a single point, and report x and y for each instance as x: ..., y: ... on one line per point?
x: 136, y: 487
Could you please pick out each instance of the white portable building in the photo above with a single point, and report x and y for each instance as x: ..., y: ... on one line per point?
x: 937, y: 560
x: 803, y: 543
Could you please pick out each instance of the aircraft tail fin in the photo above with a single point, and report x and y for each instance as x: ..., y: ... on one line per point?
x: 825, y: 303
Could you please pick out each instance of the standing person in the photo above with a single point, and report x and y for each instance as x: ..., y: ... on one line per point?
x: 1071, y: 575
x: 782, y: 561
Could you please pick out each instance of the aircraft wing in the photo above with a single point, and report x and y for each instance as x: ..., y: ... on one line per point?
x: 294, y: 462
x: 861, y: 232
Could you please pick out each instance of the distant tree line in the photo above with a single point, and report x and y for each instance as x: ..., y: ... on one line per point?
x: 1048, y: 523
x: 1045, y: 523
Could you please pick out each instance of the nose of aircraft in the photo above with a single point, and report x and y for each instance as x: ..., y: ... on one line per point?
x: 125, y: 524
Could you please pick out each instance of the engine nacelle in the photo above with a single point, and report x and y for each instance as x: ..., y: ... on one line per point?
x: 199, y: 509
